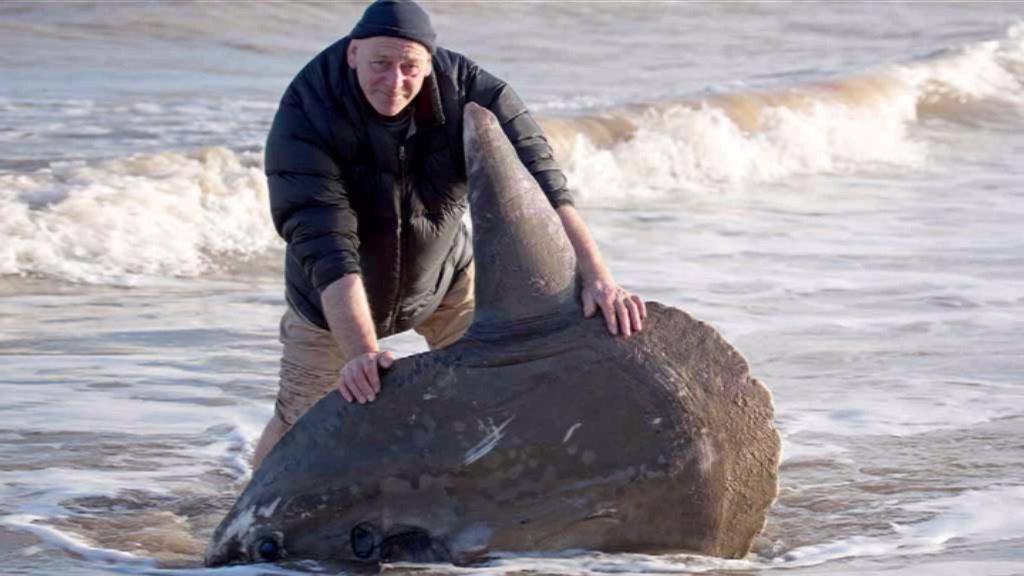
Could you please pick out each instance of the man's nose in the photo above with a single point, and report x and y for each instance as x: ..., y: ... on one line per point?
x: 395, y: 76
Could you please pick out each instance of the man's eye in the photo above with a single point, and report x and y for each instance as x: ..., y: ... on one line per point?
x: 379, y: 65
x: 411, y: 69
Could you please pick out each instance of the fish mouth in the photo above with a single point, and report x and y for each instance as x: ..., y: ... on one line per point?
x: 399, y: 545
x: 413, y: 546
x: 215, y: 557
x: 219, y: 551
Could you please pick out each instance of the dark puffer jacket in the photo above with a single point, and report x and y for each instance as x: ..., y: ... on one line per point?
x: 348, y: 198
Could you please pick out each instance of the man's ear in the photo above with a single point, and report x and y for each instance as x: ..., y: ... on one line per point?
x: 350, y: 54
x: 430, y: 66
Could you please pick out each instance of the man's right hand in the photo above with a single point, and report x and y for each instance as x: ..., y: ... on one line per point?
x: 359, y: 379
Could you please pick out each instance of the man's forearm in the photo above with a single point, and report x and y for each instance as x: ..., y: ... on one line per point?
x: 623, y: 312
x: 348, y: 314
x: 588, y: 256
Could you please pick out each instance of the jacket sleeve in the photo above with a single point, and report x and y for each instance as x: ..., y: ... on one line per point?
x: 520, y: 127
x: 308, y: 201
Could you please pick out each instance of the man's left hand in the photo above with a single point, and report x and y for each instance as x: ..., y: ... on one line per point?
x: 624, y: 313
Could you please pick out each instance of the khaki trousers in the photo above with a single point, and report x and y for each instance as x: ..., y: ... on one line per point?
x: 311, y: 360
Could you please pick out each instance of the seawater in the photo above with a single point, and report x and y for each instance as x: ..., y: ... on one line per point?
x: 836, y: 187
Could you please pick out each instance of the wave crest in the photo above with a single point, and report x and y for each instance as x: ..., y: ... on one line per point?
x: 118, y: 221
x: 854, y: 123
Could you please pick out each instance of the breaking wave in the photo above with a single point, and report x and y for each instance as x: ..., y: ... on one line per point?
x: 844, y: 125
x: 174, y: 214
x: 120, y: 221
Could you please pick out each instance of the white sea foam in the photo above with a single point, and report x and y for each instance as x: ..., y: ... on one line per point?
x: 858, y: 123
x: 121, y: 220
x: 43, y: 496
x: 51, y: 487
x: 690, y: 149
x: 233, y: 448
x: 126, y: 562
x: 973, y: 517
x: 71, y: 542
x: 578, y: 562
x: 992, y: 70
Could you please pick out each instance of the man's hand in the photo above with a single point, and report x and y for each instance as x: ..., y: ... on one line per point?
x: 624, y: 313
x: 359, y: 379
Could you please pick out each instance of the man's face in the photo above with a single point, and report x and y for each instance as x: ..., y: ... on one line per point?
x: 390, y: 71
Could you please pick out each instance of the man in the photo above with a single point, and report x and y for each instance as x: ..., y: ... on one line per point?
x: 367, y: 179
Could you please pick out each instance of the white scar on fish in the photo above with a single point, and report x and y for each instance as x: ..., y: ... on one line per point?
x: 240, y: 525
x: 268, y: 510
x: 487, y: 444
x: 572, y: 429
x: 243, y: 523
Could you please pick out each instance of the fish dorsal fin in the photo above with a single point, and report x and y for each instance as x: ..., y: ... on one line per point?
x: 525, y: 265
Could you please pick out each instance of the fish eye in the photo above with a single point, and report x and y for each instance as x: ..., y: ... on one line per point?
x: 364, y: 540
x: 267, y: 550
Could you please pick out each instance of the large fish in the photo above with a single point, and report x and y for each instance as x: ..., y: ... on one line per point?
x: 537, y: 431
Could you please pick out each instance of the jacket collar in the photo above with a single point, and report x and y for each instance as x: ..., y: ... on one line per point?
x: 429, y: 110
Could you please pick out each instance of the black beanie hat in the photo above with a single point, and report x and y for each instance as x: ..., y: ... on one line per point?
x: 398, y: 19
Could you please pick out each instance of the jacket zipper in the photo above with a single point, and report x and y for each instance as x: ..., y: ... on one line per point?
x: 402, y: 209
